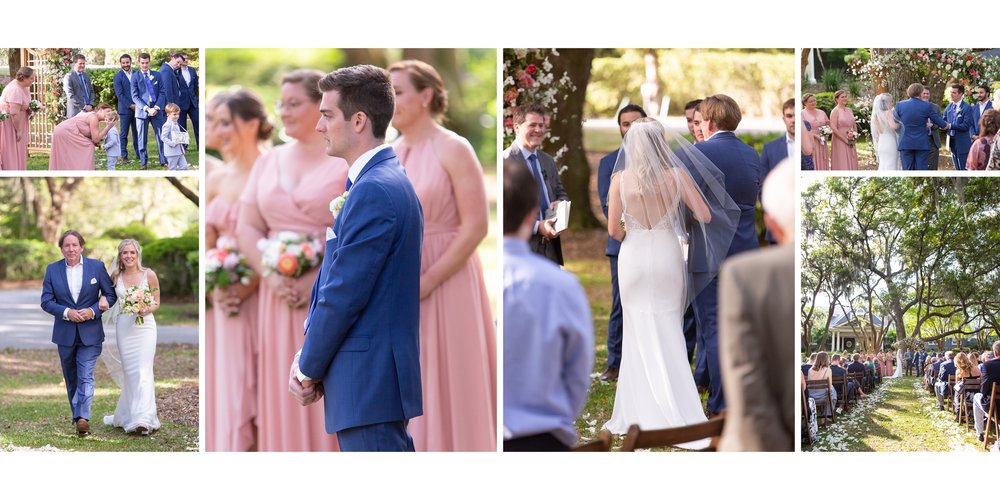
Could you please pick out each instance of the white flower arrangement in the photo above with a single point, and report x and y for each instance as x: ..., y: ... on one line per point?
x: 337, y: 204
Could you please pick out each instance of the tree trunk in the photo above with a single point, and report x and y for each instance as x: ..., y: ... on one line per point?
x: 189, y: 194
x: 50, y: 218
x: 804, y: 60
x: 375, y: 57
x: 14, y: 62
x: 567, y: 129
x: 28, y: 196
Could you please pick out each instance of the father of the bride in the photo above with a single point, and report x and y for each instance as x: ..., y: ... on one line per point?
x: 70, y: 292
x: 362, y: 331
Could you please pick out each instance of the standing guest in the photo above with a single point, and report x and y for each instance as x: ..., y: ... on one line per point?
x: 817, y: 119
x: 457, y: 334
x: 958, y: 114
x: 289, y: 189
x: 843, y: 150
x: 933, y: 136
x: 188, y: 100
x: 15, y: 101
x: 694, y: 125
x: 548, y: 334
x: 979, y: 153
x: 78, y: 88
x: 908, y: 361
x: 174, y: 138
x: 777, y: 150
x: 149, y: 100
x: 981, y: 401
x: 979, y: 108
x: 239, y: 127
x: 626, y: 116
x: 126, y: 107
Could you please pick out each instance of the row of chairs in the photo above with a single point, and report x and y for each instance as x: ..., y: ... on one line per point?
x: 970, y: 386
x: 840, y: 384
x: 638, y: 439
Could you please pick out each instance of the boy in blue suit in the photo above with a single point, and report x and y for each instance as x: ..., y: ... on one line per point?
x: 362, y: 333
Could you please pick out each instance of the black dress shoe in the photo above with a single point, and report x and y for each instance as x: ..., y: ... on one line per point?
x: 82, y: 427
x: 142, y: 430
x: 610, y: 374
x: 980, y: 437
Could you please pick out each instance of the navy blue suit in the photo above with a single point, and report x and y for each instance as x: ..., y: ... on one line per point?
x: 960, y: 117
x: 738, y: 163
x: 362, y: 332
x: 770, y: 156
x: 913, y: 145
x: 126, y: 114
x: 79, y: 344
x: 976, y: 116
x: 143, y: 97
x: 188, y: 100
x: 942, y: 387
x: 604, y: 170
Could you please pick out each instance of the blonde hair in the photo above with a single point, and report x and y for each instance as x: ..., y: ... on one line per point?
x: 172, y: 108
x: 649, y: 129
x: 118, y: 266
x: 422, y: 76
x: 837, y: 94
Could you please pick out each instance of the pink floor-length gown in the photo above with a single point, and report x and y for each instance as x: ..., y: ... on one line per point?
x: 14, y: 153
x: 283, y: 424
x: 821, y: 153
x: 843, y: 156
x: 232, y: 358
x: 72, y: 148
x: 457, y: 333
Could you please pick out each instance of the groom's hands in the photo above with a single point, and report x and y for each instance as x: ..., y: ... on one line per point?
x: 306, y: 392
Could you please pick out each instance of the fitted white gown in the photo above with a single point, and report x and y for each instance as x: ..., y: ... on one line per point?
x: 137, y: 348
x: 655, y: 386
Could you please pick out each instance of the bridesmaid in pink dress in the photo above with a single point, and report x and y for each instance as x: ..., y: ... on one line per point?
x: 239, y: 125
x: 14, y: 130
x: 844, y: 155
x: 457, y: 333
x: 74, y: 139
x: 290, y: 189
x: 817, y: 118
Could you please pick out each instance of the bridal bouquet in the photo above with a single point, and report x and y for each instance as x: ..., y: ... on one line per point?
x: 824, y: 132
x: 137, y: 299
x: 225, y: 266
x: 290, y: 254
x: 34, y: 105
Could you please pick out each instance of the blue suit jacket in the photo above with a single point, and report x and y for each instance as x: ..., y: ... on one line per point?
x: 991, y: 377
x: 362, y: 333
x: 171, y: 88
x: 946, y: 369
x: 189, y: 93
x: 141, y: 97
x: 739, y: 165
x: 123, y: 91
x: 913, y: 115
x: 770, y: 156
x: 961, y: 125
x: 604, y: 171
x: 56, y: 298
x: 976, y: 116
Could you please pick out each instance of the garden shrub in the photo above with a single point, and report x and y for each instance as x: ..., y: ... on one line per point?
x: 169, y: 258
x: 26, y: 259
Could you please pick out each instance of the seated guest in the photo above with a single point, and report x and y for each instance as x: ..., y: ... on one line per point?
x: 964, y: 368
x: 548, y: 332
x: 857, y: 367
x: 837, y: 370
x: 981, y: 401
x: 945, y: 369
x: 821, y: 371
x: 807, y: 365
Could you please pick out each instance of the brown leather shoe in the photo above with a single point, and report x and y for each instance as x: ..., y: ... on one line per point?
x: 82, y: 427
x: 142, y: 430
x: 610, y: 374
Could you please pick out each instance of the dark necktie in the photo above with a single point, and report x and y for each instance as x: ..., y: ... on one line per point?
x: 543, y: 195
x: 348, y: 184
x: 149, y: 89
x: 83, y: 83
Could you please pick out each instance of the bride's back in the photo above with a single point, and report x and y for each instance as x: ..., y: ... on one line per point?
x: 648, y: 202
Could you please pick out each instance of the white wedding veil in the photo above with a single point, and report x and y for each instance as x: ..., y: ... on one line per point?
x: 666, y: 180
x: 880, y: 125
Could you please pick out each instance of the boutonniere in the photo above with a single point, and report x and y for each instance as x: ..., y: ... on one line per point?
x: 150, y: 76
x: 93, y: 281
x: 338, y: 204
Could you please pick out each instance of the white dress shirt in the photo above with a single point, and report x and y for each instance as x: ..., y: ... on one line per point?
x: 790, y: 143
x: 186, y: 75
x: 74, y: 277
x: 363, y: 160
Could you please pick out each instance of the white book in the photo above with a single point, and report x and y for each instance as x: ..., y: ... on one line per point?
x: 562, y: 215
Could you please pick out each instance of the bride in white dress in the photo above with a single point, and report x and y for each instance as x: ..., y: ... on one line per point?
x: 131, y: 363
x: 899, y: 364
x: 885, y: 132
x: 654, y: 191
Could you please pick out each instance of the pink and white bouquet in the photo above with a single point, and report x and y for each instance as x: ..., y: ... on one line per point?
x: 290, y: 254
x: 136, y: 300
x: 225, y: 265
x: 35, y: 105
x: 824, y: 132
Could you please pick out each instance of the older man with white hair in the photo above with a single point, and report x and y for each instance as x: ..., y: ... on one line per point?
x: 756, y: 329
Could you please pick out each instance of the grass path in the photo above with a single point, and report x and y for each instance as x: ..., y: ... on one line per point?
x: 900, y: 415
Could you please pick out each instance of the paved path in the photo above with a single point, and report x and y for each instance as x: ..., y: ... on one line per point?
x: 24, y: 325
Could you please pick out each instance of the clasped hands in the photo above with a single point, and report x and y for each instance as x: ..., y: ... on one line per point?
x: 80, y: 315
x: 305, y: 392
x: 294, y: 291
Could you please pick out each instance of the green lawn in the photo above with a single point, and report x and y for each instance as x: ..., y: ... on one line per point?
x: 177, y: 314
x: 40, y: 161
x: 34, y: 412
x: 900, y: 415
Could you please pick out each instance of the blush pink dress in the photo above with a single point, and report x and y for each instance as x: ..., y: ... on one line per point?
x: 72, y: 148
x: 231, y: 380
x: 843, y: 156
x: 457, y: 333
x: 283, y: 424
x: 14, y: 153
x: 821, y: 153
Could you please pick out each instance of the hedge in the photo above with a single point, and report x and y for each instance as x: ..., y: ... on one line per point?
x: 26, y: 259
x: 169, y: 258
x: 133, y: 230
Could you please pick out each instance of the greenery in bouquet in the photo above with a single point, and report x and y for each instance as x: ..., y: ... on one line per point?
x: 289, y: 254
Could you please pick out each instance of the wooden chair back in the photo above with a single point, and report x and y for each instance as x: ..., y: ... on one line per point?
x: 638, y: 439
x: 602, y: 443
x: 992, y: 419
x: 826, y: 402
x: 970, y: 386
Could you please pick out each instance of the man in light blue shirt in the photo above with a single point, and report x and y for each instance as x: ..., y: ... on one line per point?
x: 548, y: 332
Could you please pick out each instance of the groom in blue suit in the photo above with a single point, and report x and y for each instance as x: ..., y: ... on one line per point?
x: 913, y: 114
x: 362, y: 332
x: 739, y: 165
x: 126, y: 108
x: 71, y: 292
x: 147, y: 94
x: 959, y: 116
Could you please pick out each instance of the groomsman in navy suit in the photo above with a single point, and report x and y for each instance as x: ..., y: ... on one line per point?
x: 168, y: 78
x: 126, y: 108
x: 147, y: 94
x: 958, y: 114
x: 626, y: 116
x: 913, y: 114
x: 71, y: 292
x: 779, y: 149
x: 188, y: 103
x: 983, y: 103
x: 740, y: 166
x: 362, y: 331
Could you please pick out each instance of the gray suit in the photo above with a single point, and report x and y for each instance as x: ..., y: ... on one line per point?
x: 757, y: 349
x: 75, y: 98
x: 551, y: 249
